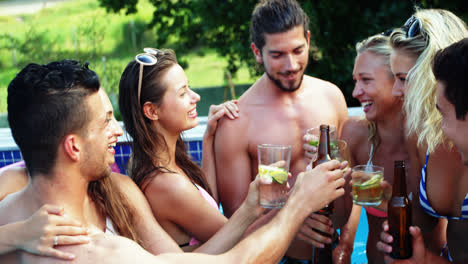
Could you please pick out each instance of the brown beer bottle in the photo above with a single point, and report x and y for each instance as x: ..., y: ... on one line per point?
x: 323, y: 155
x: 399, y: 215
x: 324, y: 255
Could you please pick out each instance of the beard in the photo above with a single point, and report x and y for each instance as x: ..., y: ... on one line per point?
x: 94, y: 166
x: 290, y: 88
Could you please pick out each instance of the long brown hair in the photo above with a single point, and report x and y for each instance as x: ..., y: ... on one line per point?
x: 112, y: 202
x: 148, y: 144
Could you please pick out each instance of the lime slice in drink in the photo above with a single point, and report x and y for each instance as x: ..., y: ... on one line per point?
x: 333, y: 144
x: 376, y: 179
x: 279, y: 175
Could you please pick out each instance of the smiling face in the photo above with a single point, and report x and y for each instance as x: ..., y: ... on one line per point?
x: 284, y: 57
x: 178, y: 111
x: 373, y: 86
x: 455, y: 129
x: 102, y: 133
x: 401, y: 63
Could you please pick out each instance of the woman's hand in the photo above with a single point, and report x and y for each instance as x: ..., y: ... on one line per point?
x: 229, y: 109
x: 47, y: 228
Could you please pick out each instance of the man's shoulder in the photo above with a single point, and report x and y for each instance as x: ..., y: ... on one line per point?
x: 232, y: 126
x: 316, y: 86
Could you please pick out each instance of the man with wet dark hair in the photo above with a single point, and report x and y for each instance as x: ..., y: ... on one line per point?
x: 44, y: 104
x: 65, y: 129
x: 46, y: 98
x: 278, y: 109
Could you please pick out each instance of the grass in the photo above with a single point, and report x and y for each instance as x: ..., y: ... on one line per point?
x: 85, y: 31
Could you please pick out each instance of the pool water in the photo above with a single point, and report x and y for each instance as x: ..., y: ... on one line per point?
x: 360, y: 241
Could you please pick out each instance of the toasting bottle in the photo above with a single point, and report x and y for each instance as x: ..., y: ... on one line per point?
x: 399, y: 215
x: 323, y: 155
x: 324, y: 255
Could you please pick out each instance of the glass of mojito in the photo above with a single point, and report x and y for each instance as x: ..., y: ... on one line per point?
x: 273, y: 168
x: 366, y: 185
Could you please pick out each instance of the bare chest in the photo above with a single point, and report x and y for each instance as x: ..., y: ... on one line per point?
x: 287, y: 126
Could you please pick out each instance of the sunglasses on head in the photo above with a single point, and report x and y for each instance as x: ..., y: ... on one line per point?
x: 412, y: 27
x: 147, y: 58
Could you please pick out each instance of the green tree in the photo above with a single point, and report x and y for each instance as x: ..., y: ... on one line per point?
x: 335, y: 28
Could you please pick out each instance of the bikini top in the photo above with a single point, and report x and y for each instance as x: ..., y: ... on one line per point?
x: 425, y: 202
x: 212, y: 202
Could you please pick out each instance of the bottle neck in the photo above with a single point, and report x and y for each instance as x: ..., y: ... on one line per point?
x: 324, y: 145
x: 399, y: 182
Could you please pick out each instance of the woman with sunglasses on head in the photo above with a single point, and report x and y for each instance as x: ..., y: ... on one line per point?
x: 436, y: 169
x: 157, y: 105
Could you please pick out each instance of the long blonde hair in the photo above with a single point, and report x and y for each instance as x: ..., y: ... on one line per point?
x: 439, y: 28
x: 378, y: 45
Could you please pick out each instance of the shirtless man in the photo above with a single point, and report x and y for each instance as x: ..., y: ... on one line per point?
x: 79, y: 151
x: 267, y: 245
x: 66, y: 130
x: 278, y: 108
x: 68, y: 158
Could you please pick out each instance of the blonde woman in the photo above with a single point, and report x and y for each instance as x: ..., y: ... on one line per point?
x: 376, y: 139
x: 379, y: 138
x: 436, y: 168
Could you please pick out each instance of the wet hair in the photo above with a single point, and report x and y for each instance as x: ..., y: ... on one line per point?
x: 45, y: 103
x: 48, y: 102
x: 438, y: 29
x: 276, y: 16
x: 378, y: 45
x: 148, y: 143
x: 451, y: 68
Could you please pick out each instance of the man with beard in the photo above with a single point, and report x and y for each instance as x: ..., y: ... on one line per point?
x: 277, y: 109
x: 64, y: 125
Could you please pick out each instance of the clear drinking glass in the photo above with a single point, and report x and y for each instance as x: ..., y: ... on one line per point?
x: 366, y: 184
x: 273, y: 167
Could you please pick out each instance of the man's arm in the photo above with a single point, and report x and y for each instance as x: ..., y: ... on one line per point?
x: 313, y: 190
x: 267, y: 245
x: 233, y: 168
